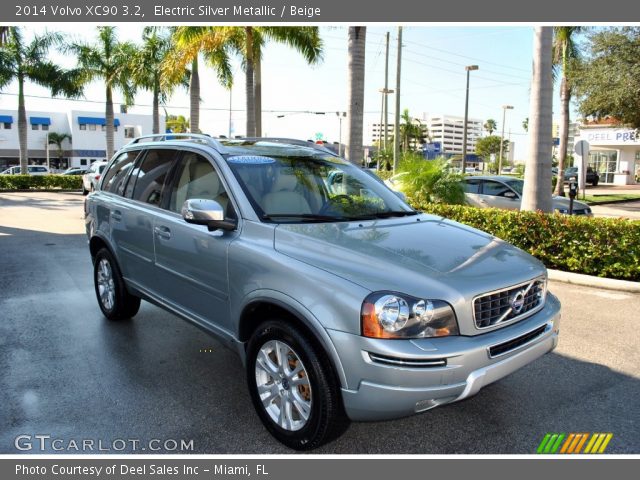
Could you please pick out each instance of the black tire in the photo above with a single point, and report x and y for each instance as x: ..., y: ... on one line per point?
x: 122, y: 305
x: 327, y: 419
x: 84, y: 190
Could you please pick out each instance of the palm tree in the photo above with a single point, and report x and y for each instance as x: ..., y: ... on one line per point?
x: 110, y: 61
x: 565, y: 54
x: 4, y: 32
x: 147, y: 70
x: 58, y: 139
x: 356, y: 62
x: 189, y: 43
x: 490, y: 126
x: 305, y: 40
x: 23, y: 62
x: 409, y: 129
x: 537, y: 174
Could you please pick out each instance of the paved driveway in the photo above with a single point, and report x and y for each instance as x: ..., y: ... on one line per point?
x: 67, y: 372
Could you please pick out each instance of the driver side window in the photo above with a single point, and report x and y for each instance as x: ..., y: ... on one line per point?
x: 495, y: 189
x: 196, y: 178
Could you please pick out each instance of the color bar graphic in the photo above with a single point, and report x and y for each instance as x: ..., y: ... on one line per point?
x: 574, y: 442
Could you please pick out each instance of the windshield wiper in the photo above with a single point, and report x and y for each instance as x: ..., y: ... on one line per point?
x: 389, y: 214
x: 303, y: 216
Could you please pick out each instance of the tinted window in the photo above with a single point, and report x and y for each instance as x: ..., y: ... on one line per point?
x: 495, y: 189
x: 147, y: 179
x: 472, y: 186
x: 116, y: 177
x: 196, y: 178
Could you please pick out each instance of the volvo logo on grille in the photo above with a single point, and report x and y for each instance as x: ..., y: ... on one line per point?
x: 516, y: 302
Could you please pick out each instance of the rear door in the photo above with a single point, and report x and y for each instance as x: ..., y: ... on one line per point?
x: 132, y: 213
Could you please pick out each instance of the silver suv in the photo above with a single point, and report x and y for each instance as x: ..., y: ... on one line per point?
x: 342, y: 301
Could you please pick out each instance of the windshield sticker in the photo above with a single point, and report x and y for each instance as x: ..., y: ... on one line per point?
x: 251, y: 160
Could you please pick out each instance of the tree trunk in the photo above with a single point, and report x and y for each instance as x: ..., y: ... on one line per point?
x: 565, y: 98
x: 356, y: 63
x: 22, y: 128
x: 194, y: 98
x: 251, y: 106
x: 537, y: 176
x: 257, y: 89
x: 156, y: 106
x: 109, y: 122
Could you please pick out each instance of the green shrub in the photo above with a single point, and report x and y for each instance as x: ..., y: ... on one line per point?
x: 603, y: 247
x: 40, y: 182
x: 430, y: 181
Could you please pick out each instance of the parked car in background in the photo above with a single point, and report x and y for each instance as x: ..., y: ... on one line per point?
x: 342, y: 301
x: 31, y: 169
x: 497, y: 191
x: 592, y: 177
x: 91, y: 178
x: 75, y: 171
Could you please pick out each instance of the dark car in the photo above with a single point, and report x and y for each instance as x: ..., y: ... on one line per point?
x: 592, y: 177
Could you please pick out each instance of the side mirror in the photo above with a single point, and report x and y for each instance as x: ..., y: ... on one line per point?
x: 511, y: 195
x: 206, y: 212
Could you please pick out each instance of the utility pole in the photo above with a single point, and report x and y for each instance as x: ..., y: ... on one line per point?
x: 504, y: 114
x: 468, y: 68
x: 385, y: 107
x: 396, y: 129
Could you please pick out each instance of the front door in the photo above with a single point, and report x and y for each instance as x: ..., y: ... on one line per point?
x: 191, y: 261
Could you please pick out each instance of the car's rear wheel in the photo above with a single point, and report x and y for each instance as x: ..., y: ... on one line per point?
x: 293, y: 387
x: 84, y: 190
x: 115, y: 301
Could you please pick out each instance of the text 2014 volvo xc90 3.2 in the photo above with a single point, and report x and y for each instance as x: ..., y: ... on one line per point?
x: 342, y: 301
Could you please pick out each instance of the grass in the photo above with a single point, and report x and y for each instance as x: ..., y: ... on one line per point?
x: 611, y: 197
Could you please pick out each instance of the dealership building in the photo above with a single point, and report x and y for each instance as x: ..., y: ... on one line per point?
x: 614, y: 152
x: 87, y: 130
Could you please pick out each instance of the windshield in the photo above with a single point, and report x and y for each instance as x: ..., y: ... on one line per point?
x: 516, y: 184
x: 313, y: 188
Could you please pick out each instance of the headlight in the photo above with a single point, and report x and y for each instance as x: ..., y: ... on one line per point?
x: 394, y: 315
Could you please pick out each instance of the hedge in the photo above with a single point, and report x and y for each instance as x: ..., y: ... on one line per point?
x: 40, y: 182
x: 603, y: 247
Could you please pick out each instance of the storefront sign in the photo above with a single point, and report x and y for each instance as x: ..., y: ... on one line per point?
x: 611, y: 136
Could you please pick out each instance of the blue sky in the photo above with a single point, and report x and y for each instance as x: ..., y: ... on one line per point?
x: 433, y: 81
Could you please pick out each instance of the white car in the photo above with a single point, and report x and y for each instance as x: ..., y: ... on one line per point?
x: 31, y: 170
x: 91, y: 179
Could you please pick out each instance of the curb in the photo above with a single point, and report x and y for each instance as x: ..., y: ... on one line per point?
x: 611, y: 202
x: 594, y: 282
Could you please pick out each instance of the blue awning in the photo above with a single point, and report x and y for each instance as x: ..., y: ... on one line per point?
x: 96, y: 121
x: 40, y: 120
x: 6, y: 119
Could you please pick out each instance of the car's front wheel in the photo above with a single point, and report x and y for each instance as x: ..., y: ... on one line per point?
x: 293, y: 387
x: 115, y: 301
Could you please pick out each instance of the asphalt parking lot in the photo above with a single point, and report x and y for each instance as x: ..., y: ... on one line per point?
x: 67, y: 372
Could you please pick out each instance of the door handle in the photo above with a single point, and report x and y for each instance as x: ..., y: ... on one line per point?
x: 116, y: 215
x: 163, y: 232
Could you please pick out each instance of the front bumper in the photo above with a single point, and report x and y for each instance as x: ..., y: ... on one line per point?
x: 379, y: 388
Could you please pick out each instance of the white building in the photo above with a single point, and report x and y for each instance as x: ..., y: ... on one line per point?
x: 448, y: 131
x: 614, y: 152
x: 87, y: 130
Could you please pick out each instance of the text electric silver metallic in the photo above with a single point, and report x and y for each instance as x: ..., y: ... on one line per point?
x: 342, y: 301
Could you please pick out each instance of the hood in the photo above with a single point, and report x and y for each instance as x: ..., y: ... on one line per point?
x: 423, y: 255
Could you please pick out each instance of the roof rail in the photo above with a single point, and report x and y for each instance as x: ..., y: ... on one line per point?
x: 290, y: 141
x: 163, y: 137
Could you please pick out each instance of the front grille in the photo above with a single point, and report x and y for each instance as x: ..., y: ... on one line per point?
x: 506, y: 305
x: 506, y: 347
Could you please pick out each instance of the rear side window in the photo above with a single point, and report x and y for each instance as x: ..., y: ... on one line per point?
x: 116, y: 177
x: 147, y: 179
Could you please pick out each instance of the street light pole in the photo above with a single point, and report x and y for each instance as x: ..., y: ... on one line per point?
x: 396, y: 127
x: 340, y: 116
x: 468, y: 68
x: 504, y: 113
